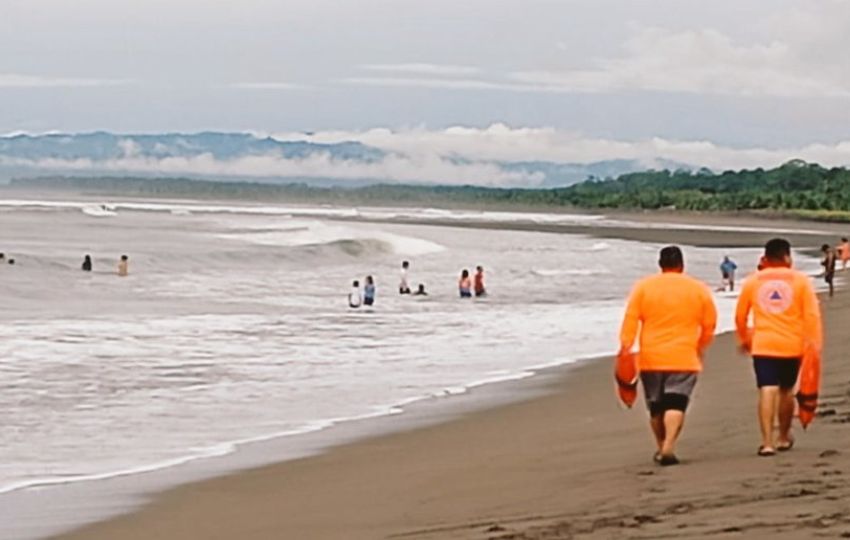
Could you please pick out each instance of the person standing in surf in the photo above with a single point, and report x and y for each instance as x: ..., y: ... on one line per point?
x: 369, y: 291
x: 786, y: 326
x: 403, y: 286
x: 124, y: 266
x: 464, y: 285
x: 675, y: 317
x: 87, y: 265
x: 727, y: 271
x: 355, y: 299
x: 479, y: 282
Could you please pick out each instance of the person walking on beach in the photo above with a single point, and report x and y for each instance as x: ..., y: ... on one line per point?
x: 369, y: 291
x: 403, y: 286
x: 464, y: 285
x: 479, y: 282
x: 828, y: 262
x: 844, y: 253
x: 786, y: 326
x: 355, y: 299
x: 124, y: 266
x: 675, y: 316
x: 86, y: 267
x: 727, y: 271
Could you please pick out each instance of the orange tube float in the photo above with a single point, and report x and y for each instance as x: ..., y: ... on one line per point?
x: 626, y: 376
x: 807, y: 395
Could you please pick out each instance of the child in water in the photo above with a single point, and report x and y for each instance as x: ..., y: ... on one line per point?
x: 369, y: 291
x: 354, y: 298
x: 403, y: 287
x: 465, y: 285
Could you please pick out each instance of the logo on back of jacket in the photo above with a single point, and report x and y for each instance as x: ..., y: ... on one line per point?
x: 775, y: 296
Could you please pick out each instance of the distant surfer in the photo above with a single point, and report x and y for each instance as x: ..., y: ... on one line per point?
x: 354, y: 297
x: 421, y: 290
x: 727, y: 272
x: 479, y: 281
x: 675, y: 317
x: 87, y: 264
x: 124, y: 266
x: 403, y: 286
x: 464, y: 285
x: 786, y: 329
x: 369, y: 291
x: 828, y: 262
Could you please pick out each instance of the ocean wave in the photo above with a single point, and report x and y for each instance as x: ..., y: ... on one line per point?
x: 546, y: 272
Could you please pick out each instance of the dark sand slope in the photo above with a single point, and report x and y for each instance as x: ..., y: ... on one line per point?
x: 569, y: 465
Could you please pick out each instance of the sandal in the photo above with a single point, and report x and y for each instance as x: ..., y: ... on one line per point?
x: 766, y: 452
x: 784, y: 447
x: 666, y: 461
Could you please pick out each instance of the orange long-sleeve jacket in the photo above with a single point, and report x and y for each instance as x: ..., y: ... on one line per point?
x: 676, y: 317
x: 786, y: 314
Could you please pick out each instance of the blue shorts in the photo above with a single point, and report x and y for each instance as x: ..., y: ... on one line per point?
x: 781, y: 372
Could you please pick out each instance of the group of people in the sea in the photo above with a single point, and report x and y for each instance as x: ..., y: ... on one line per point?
x: 87, y: 266
x: 365, y: 296
x: 673, y: 318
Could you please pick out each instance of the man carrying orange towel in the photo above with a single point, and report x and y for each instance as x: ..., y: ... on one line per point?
x: 676, y: 317
x: 786, y: 327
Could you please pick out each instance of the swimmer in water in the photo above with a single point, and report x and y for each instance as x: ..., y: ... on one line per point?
x: 369, y: 291
x: 465, y: 285
x: 87, y: 264
x: 354, y: 297
x: 421, y: 290
x: 124, y: 266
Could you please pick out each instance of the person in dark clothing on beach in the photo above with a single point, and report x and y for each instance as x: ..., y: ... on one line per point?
x: 479, y: 282
x: 87, y: 266
x: 828, y: 262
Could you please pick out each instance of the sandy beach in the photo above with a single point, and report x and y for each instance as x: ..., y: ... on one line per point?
x: 569, y: 464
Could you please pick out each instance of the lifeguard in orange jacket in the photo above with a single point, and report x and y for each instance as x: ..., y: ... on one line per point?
x: 786, y: 328
x: 675, y: 316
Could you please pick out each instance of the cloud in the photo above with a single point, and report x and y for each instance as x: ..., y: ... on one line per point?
x: 455, y: 155
x: 17, y: 80
x: 502, y: 143
x: 424, y: 69
x: 393, y: 168
x: 696, y: 61
x: 702, y: 61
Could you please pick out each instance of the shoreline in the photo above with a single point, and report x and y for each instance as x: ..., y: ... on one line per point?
x: 430, y: 413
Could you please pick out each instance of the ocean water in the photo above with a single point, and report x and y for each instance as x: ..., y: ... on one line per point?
x: 234, y: 327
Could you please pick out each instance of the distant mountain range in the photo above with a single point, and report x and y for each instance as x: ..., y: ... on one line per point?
x: 235, y: 156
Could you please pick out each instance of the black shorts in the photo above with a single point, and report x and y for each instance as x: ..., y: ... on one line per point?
x: 667, y: 390
x: 772, y: 371
x: 829, y: 277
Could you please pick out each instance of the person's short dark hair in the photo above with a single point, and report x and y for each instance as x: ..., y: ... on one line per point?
x: 777, y: 249
x: 11, y: 261
x: 479, y: 268
x: 405, y: 264
x: 824, y: 247
x: 844, y: 239
x: 356, y: 283
x: 465, y: 273
x: 123, y: 257
x: 671, y: 258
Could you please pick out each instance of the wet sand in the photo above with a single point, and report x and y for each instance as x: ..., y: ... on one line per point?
x: 571, y: 464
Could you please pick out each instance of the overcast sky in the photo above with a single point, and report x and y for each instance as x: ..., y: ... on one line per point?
x: 755, y: 74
